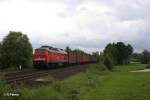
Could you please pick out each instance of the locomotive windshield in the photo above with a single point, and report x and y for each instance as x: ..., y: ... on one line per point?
x: 40, y: 52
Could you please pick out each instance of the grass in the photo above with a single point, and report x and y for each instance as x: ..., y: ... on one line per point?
x: 96, y: 83
x: 123, y: 85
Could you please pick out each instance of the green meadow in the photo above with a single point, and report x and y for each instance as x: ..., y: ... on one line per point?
x: 96, y: 83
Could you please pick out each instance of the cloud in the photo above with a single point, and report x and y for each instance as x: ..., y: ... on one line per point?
x: 86, y: 24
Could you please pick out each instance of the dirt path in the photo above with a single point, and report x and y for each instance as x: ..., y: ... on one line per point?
x: 144, y: 70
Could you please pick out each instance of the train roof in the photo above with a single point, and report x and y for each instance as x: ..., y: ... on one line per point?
x: 52, y: 49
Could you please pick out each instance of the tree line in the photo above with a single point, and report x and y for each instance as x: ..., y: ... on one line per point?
x: 95, y: 54
x: 16, y: 50
x: 143, y: 57
x: 119, y: 53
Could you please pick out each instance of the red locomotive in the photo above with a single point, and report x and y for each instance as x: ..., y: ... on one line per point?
x: 46, y: 56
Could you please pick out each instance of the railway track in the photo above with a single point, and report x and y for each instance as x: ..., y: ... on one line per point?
x: 14, y: 78
x: 63, y: 73
x: 28, y: 76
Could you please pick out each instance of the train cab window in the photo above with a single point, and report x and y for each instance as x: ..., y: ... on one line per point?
x: 41, y: 52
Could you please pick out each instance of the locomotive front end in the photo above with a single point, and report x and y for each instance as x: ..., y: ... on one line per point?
x: 40, y: 58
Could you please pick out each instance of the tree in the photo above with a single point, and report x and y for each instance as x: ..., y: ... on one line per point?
x: 68, y: 49
x: 16, y: 50
x: 124, y: 52
x: 121, y: 52
x: 129, y: 49
x: 108, y: 62
x: 118, y: 52
x: 145, y: 58
x: 79, y: 51
x: 112, y: 52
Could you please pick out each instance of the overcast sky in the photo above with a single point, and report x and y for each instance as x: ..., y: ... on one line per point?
x: 85, y: 24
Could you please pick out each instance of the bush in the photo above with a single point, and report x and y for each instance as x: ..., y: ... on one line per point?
x: 108, y: 62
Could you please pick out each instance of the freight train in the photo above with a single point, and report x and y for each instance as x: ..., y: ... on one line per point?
x: 49, y: 57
